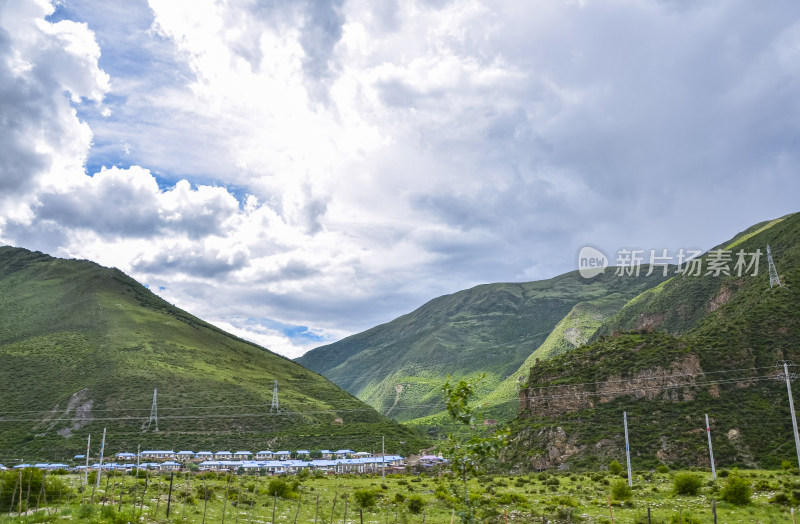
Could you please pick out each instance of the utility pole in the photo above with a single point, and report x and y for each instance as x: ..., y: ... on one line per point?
x: 102, y: 450
x: 627, y: 447
x: 154, y: 410
x: 791, y: 408
x: 275, y: 404
x: 86, y: 471
x: 710, y: 450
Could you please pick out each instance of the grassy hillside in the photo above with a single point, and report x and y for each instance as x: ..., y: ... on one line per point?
x: 680, y: 304
x: 693, y: 345
x: 399, y: 367
x: 82, y: 347
x: 572, y: 331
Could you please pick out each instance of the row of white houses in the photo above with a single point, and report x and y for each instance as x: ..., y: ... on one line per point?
x: 272, y: 467
x: 202, y: 456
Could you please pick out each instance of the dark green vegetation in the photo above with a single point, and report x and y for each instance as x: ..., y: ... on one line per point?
x: 399, y: 367
x: 762, y: 496
x: 690, y: 346
x: 82, y: 347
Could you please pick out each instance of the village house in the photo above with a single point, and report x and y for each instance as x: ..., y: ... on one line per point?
x: 158, y: 455
x: 169, y: 466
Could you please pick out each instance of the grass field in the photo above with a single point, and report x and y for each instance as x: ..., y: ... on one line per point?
x: 562, y: 497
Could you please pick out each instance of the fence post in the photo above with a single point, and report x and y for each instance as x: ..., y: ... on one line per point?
x: 205, y: 500
x: 169, y: 497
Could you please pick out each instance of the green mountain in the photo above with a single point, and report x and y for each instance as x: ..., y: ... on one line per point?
x: 696, y: 344
x: 399, y: 367
x: 572, y: 331
x: 82, y: 348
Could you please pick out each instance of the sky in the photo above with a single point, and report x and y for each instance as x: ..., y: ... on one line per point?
x: 298, y: 171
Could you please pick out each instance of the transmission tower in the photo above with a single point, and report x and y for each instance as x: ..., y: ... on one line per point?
x: 773, y: 273
x: 275, y: 405
x: 154, y: 410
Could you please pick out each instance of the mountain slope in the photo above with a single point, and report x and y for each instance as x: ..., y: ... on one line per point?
x: 82, y: 347
x: 399, y: 367
x: 572, y: 331
x: 693, y: 345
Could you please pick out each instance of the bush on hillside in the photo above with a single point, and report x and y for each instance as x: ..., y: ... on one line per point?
x: 736, y: 490
x: 686, y: 484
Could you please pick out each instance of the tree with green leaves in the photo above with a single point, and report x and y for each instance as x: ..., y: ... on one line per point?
x: 469, y: 452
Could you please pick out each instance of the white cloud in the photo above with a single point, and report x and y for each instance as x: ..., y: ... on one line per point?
x: 333, y: 164
x: 42, y: 143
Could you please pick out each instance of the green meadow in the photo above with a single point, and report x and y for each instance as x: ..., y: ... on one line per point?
x: 685, y: 496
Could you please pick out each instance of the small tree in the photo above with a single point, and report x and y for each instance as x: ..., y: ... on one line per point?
x: 614, y: 467
x: 621, y: 491
x: 365, y: 498
x: 415, y: 504
x: 470, y: 454
x: 686, y: 484
x: 736, y: 490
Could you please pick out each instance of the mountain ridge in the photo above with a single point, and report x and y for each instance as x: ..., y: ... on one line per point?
x: 490, y: 328
x: 83, y: 347
x: 694, y: 345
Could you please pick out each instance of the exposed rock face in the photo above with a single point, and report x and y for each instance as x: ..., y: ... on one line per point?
x: 650, y: 321
x: 560, y: 448
x: 676, y: 383
x: 77, y: 414
x: 724, y: 295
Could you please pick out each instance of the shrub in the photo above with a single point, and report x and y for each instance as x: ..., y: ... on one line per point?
x: 204, y: 492
x: 365, y: 498
x: 510, y: 498
x: 565, y: 500
x: 780, y: 498
x: 684, y: 519
x: 399, y: 498
x: 621, y: 491
x: 614, y: 467
x: 686, y: 484
x: 736, y: 491
x: 415, y: 504
x: 552, y: 481
x: 662, y: 469
x: 280, y: 488
x: 85, y: 511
